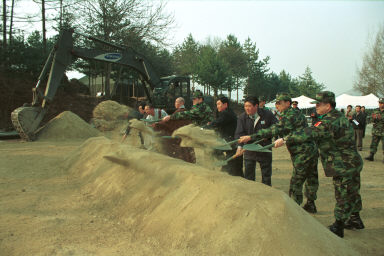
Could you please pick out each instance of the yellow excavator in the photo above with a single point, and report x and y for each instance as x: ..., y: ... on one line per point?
x: 162, y: 92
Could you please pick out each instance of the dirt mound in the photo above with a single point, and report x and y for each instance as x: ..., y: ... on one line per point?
x: 172, y: 206
x: 197, y: 137
x: 66, y: 125
x: 110, y: 110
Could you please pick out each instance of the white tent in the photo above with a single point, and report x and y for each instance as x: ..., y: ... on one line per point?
x: 369, y: 101
x: 303, y: 102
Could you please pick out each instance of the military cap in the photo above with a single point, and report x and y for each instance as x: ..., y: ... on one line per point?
x: 197, y: 94
x: 381, y: 100
x: 295, y: 102
x: 283, y: 96
x: 325, y: 97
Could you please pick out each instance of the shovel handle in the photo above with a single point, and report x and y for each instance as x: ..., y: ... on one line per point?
x: 150, y: 121
x: 234, y: 141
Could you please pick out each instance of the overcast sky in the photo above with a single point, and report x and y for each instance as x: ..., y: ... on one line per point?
x: 328, y: 36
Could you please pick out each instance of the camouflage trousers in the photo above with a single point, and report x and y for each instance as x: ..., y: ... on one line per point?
x: 304, y: 170
x: 375, y: 143
x: 347, y: 194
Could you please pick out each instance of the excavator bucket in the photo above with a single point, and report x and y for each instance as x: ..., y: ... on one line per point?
x: 26, y: 120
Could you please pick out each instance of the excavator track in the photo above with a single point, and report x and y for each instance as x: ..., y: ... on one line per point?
x: 18, y: 124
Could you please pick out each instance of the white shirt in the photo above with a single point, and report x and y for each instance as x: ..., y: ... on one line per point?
x: 156, y: 116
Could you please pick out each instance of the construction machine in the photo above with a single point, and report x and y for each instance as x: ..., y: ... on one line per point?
x: 161, y: 92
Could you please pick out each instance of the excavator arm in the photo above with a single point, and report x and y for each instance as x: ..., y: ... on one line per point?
x: 27, y: 119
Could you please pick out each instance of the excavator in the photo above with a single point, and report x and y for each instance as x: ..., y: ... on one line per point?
x: 161, y: 92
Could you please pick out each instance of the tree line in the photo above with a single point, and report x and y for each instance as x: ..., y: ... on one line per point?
x: 219, y: 65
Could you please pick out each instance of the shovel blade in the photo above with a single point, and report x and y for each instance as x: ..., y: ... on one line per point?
x: 253, y: 147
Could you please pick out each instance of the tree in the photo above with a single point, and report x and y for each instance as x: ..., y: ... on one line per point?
x: 212, y: 71
x: 371, y: 75
x: 232, y: 53
x: 288, y: 84
x: 307, y: 85
x: 257, y: 69
x: 185, y: 56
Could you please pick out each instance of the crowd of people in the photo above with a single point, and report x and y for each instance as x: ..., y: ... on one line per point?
x: 334, y: 136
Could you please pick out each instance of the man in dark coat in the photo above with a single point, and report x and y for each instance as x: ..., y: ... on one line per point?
x: 248, y: 123
x: 358, y: 123
x: 225, y: 125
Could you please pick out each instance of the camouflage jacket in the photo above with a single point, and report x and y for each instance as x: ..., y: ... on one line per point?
x: 378, y: 122
x: 200, y: 114
x: 334, y: 136
x: 289, y: 121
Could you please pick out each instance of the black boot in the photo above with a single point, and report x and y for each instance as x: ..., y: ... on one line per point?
x: 370, y: 157
x: 310, y: 206
x: 337, y: 228
x: 354, y: 222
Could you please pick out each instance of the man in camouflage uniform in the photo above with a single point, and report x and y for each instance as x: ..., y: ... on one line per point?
x: 334, y: 136
x: 303, y: 155
x: 200, y: 114
x: 377, y: 130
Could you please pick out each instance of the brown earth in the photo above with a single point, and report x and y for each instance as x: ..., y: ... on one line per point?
x: 65, y: 198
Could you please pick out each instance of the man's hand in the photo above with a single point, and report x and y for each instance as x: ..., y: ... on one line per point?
x: 166, y: 118
x: 239, y: 152
x: 279, y: 142
x: 244, y: 139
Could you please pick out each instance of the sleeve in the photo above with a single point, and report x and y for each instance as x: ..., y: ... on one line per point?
x: 188, y: 114
x: 280, y: 128
x: 314, y: 133
x: 220, y: 121
x: 240, y: 129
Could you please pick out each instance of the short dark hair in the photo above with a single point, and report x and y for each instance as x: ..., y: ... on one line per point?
x: 252, y: 99
x: 224, y: 100
x: 333, y: 104
x: 149, y: 104
x: 142, y: 104
x: 349, y: 106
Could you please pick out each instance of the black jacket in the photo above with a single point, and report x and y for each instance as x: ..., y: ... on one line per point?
x: 360, y: 118
x: 245, y: 126
x: 225, y: 124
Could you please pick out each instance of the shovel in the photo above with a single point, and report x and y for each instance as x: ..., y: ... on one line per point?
x: 258, y: 147
x: 227, y: 146
x: 224, y: 162
x: 150, y: 121
x: 170, y: 137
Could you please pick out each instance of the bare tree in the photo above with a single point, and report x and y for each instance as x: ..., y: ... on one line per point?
x: 11, y: 22
x: 124, y: 22
x: 4, y: 24
x: 371, y: 74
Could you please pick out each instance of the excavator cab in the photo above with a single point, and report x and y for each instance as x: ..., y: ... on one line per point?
x: 171, y: 88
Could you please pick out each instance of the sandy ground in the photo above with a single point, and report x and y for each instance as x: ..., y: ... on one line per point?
x: 44, y: 210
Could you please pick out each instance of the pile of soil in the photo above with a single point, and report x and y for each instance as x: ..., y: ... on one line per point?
x: 178, y: 208
x: 109, y: 115
x: 66, y: 126
x: 197, y: 137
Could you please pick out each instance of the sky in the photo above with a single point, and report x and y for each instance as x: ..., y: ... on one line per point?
x: 330, y: 37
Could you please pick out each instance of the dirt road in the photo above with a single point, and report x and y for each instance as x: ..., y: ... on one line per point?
x: 44, y: 210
